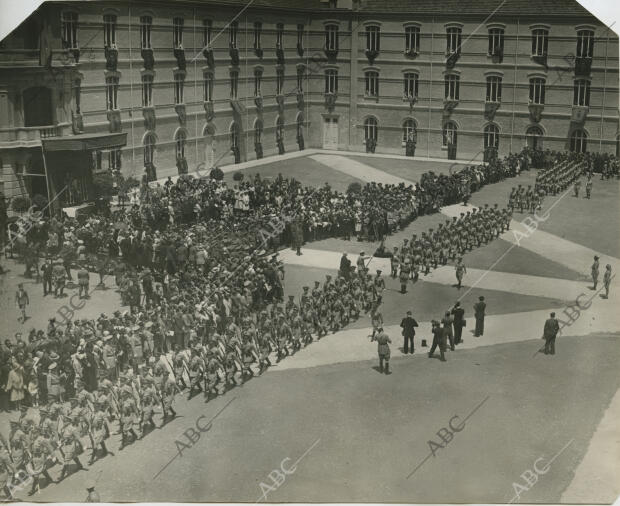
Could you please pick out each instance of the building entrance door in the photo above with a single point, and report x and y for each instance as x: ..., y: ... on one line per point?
x: 330, y: 133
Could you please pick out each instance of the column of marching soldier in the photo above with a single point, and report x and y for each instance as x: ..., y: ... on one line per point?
x: 550, y: 181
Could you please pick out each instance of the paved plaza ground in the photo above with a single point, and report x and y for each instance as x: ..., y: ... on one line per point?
x: 356, y: 434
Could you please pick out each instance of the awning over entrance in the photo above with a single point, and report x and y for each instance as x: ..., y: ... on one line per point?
x: 86, y: 142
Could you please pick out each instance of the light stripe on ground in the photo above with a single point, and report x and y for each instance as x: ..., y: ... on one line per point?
x: 359, y: 170
x: 559, y: 289
x: 597, y: 477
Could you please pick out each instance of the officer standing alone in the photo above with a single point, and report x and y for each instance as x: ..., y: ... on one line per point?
x: 383, y: 348
x: 479, y: 309
x: 408, y: 325
x: 550, y: 332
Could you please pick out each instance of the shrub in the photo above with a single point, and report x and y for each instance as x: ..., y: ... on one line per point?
x: 103, y: 185
x: 238, y: 176
x: 20, y: 204
x: 216, y: 173
x: 40, y: 201
x: 354, y: 187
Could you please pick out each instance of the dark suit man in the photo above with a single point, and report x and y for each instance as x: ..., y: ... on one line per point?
x: 345, y: 266
x: 439, y: 340
x: 446, y: 322
x: 408, y: 324
x: 552, y: 327
x: 458, y: 322
x: 479, y: 308
x: 46, y: 271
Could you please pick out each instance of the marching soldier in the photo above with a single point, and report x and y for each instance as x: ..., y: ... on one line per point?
x: 168, y: 391
x: 405, y: 274
x: 460, y: 272
x: 70, y: 447
x: 196, y: 370
x: 394, y: 262
x: 41, y: 455
x: 589, y: 187
x: 379, y: 286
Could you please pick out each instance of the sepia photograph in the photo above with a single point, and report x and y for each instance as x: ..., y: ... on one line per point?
x: 309, y: 251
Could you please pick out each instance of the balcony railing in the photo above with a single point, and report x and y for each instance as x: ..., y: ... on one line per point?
x: 29, y: 136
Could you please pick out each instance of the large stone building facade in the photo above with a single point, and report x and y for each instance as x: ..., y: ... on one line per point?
x: 159, y: 88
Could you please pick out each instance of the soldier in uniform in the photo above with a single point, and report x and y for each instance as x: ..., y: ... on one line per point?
x: 377, y: 321
x: 41, y: 453
x: 7, y: 471
x: 460, y: 272
x: 394, y: 261
x: 59, y: 275
x: 98, y: 431
x: 405, y: 274
x: 383, y: 348
x: 70, y: 447
x: 607, y: 280
x: 589, y: 187
x: 83, y: 280
x: 594, y: 271
x: 169, y: 389
x: 378, y: 286
x: 361, y: 264
x: 576, y: 187
x: 196, y: 370
x: 148, y: 400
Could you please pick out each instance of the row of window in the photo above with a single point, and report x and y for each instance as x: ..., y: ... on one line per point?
x: 491, y: 136
x: 180, y: 138
x: 581, y: 87
x: 539, y: 36
x: 578, y: 138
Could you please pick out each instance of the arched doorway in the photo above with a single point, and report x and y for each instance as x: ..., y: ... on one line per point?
x: 450, y: 139
x: 534, y: 137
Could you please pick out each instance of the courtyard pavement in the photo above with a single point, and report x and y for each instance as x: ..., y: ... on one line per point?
x: 359, y: 434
